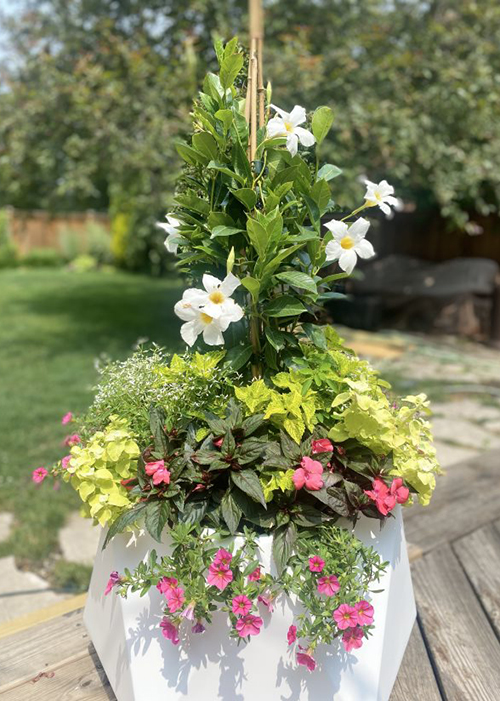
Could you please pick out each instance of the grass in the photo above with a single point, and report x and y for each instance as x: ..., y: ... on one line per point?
x: 53, y: 325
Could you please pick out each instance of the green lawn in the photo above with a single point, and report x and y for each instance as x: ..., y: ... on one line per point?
x: 53, y: 325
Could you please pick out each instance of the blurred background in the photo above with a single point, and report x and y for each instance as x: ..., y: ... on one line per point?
x: 93, y: 96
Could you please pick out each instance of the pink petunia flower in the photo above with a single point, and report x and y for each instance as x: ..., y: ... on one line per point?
x: 189, y: 611
x: 223, y: 557
x: 307, y: 660
x: 65, y: 462
x: 248, y: 625
x: 316, y: 564
x: 67, y: 418
x: 345, y: 616
x: 255, y: 575
x: 291, y: 635
x: 198, y: 627
x: 39, y: 474
x: 158, y: 471
x: 114, y: 579
x: 352, y: 638
x: 175, y: 599
x: 380, y: 494
x: 399, y: 491
x: 364, y: 613
x: 267, y: 601
x: 308, y: 475
x: 323, y: 445
x: 219, y: 576
x: 241, y: 605
x: 328, y: 585
x: 170, y: 632
x: 72, y: 440
x: 166, y: 584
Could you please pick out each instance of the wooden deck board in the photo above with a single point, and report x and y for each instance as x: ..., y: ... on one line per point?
x: 416, y: 678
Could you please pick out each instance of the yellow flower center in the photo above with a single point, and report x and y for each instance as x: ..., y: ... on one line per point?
x: 347, y: 242
x: 216, y: 297
x: 289, y: 127
x: 205, y: 318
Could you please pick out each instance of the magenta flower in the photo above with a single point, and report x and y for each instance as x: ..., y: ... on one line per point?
x: 384, y: 500
x: 223, y: 557
x: 352, y: 638
x: 189, y: 611
x: 159, y: 472
x: 218, y: 441
x: 345, y: 616
x: 166, y: 584
x: 328, y: 585
x: 175, y: 599
x: 65, y: 462
x: 39, y: 474
x: 198, y: 627
x: 316, y: 564
x: 114, y: 579
x: 67, y: 418
x: 170, y: 632
x: 219, y: 576
x: 307, y: 660
x: 248, y: 625
x: 308, y: 475
x: 323, y: 445
x: 72, y: 440
x: 291, y: 636
x: 255, y: 575
x: 364, y: 613
x: 241, y: 605
x: 267, y: 601
x: 397, y: 490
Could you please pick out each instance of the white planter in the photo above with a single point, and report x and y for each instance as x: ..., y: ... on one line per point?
x: 142, y: 666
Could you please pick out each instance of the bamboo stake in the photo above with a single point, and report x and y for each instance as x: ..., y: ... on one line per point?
x: 254, y: 108
x: 253, y: 99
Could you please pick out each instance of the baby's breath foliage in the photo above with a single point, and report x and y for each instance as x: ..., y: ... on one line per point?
x: 183, y: 386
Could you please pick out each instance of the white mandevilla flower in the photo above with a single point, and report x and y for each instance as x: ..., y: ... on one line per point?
x: 381, y: 195
x: 287, y: 124
x: 348, y: 243
x: 209, y: 311
x: 171, y: 227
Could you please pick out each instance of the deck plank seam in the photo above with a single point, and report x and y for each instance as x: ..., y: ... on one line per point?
x: 431, y: 659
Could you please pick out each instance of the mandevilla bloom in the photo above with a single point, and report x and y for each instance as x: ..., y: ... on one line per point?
x: 67, y: 418
x: 352, y: 638
x: 171, y: 227
x: 241, y: 605
x: 175, y: 599
x: 287, y: 124
x: 114, y: 579
x: 39, y: 474
x: 348, y: 243
x: 223, y: 557
x: 328, y: 585
x: 219, y: 576
x: 381, y: 195
x: 291, y: 635
x: 307, y: 660
x: 158, y: 471
x: 308, y: 475
x: 345, y: 616
x: 170, y: 632
x: 255, y: 575
x: 364, y: 613
x: 323, y: 445
x: 380, y: 494
x: 316, y: 564
x: 248, y: 625
x: 166, y: 584
x: 72, y: 440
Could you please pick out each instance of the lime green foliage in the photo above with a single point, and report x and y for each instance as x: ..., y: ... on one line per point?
x: 97, y: 469
x: 279, y: 480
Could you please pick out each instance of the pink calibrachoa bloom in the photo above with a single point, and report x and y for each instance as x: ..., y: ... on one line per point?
x: 316, y: 564
x: 159, y: 472
x: 223, y: 557
x: 322, y: 445
x: 166, y: 584
x: 248, y: 625
x: 170, y: 632
x: 328, y: 585
x: 291, y: 635
x: 65, y: 462
x: 39, y: 474
x: 241, y: 605
x: 397, y: 490
x: 175, y: 599
x: 308, y: 475
x: 352, y: 638
x: 219, y: 576
x: 345, y: 616
x: 364, y: 613
x: 67, y: 418
x: 267, y: 601
x: 255, y: 575
x: 72, y: 440
x: 307, y: 660
x: 189, y: 611
x: 114, y: 579
x: 198, y: 627
x: 380, y: 494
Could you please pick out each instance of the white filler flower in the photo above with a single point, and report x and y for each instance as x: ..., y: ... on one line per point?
x: 381, y: 195
x: 348, y: 243
x: 171, y: 227
x: 287, y: 124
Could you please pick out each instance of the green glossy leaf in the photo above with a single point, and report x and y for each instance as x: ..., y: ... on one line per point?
x: 258, y: 237
x: 286, y: 305
x: 226, y: 170
x: 226, y: 117
x: 231, y: 512
x: 252, y: 285
x: 328, y: 172
x: 320, y: 193
x: 157, y: 513
x: 321, y: 123
x: 298, y: 279
x: 224, y: 231
x: 238, y: 356
x: 126, y: 519
x: 205, y: 144
x: 249, y: 483
x: 276, y: 338
x: 231, y: 66
x: 283, y: 544
x: 191, y: 155
x: 247, y: 196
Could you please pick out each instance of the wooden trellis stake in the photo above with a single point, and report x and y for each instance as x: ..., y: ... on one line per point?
x: 254, y: 108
